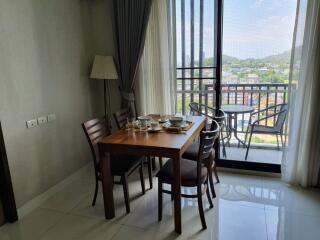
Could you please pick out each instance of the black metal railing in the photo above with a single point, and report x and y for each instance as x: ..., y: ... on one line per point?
x: 257, y: 95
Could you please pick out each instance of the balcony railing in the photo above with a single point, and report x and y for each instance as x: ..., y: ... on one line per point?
x: 201, y: 89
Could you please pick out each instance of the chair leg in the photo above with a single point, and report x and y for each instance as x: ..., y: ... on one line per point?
x: 171, y: 192
x: 216, y: 173
x: 200, y: 206
x: 95, y: 193
x: 153, y: 163
x: 224, y: 152
x: 124, y: 180
x: 248, y: 145
x: 213, y: 192
x: 277, y: 142
x: 150, y: 172
x: 282, y: 144
x: 209, y: 197
x: 160, y: 162
x: 142, y: 179
x: 159, y: 201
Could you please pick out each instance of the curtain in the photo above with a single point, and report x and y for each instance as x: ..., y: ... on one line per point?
x: 301, y: 161
x: 156, y: 76
x: 130, y: 24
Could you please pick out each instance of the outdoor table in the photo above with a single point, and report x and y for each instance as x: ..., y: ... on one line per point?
x: 232, y: 111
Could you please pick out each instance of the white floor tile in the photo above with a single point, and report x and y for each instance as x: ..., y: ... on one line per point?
x: 246, y: 207
x: 32, y: 226
x: 81, y: 228
x: 285, y: 225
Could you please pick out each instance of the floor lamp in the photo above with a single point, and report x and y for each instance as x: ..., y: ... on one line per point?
x: 104, y: 68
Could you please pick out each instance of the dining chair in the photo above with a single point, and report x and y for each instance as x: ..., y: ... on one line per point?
x: 280, y: 112
x: 192, y: 153
x: 196, y: 109
x: 120, y: 118
x: 121, y: 165
x: 193, y: 174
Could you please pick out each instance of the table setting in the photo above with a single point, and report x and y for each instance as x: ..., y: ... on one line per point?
x: 154, y: 123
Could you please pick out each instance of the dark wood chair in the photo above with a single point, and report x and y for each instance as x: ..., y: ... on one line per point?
x: 280, y: 112
x: 220, y: 118
x: 197, y: 109
x: 121, y: 165
x: 193, y: 173
x: 192, y: 153
x: 120, y: 118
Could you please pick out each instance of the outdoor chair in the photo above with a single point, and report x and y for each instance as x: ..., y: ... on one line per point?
x: 254, y: 127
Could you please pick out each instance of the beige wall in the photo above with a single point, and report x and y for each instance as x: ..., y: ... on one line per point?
x: 46, y: 48
x: 103, y: 45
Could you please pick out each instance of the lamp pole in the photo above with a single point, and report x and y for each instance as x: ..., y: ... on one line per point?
x: 107, y: 106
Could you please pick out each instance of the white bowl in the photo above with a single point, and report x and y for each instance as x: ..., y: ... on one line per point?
x: 144, y: 118
x: 176, y: 121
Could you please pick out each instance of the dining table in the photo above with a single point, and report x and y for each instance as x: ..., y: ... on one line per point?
x: 143, y: 143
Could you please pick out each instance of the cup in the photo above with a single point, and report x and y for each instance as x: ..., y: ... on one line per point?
x: 154, y: 125
x: 143, y: 120
x: 130, y: 122
x: 163, y: 118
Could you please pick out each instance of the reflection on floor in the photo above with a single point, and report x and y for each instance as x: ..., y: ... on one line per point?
x: 260, y: 155
x: 246, y: 207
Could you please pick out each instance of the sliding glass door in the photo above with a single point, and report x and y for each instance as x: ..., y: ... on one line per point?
x: 241, y: 67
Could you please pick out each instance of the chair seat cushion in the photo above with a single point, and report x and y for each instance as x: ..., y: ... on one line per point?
x: 188, y: 173
x: 192, y: 152
x: 264, y: 129
x: 121, y: 163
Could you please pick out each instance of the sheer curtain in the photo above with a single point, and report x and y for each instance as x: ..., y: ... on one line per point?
x: 301, y: 162
x: 155, y: 90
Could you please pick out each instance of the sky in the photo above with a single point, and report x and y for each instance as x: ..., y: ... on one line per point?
x: 251, y: 28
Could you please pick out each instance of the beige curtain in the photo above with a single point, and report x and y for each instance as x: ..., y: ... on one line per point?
x: 301, y: 162
x: 155, y: 89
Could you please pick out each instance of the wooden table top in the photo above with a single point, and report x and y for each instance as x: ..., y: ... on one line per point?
x: 162, y: 140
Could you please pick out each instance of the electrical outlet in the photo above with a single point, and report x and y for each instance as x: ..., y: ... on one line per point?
x: 32, y: 123
x: 42, y: 120
x: 51, y: 117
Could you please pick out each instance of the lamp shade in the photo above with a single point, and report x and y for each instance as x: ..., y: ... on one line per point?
x: 103, y: 68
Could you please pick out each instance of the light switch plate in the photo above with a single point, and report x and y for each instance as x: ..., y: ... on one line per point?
x: 42, y: 120
x: 32, y: 123
x: 52, y: 117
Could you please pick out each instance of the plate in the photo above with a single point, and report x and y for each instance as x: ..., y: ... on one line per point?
x: 169, y: 125
x: 154, y: 129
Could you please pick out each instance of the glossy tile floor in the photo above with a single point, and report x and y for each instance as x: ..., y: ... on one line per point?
x: 247, y: 207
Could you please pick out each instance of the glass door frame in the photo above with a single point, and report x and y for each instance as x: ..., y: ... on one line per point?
x: 245, y: 165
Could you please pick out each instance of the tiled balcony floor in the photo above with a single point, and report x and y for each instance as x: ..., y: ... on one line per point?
x: 260, y: 155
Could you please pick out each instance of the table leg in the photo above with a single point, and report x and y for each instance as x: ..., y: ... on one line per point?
x: 176, y: 194
x: 229, y: 129
x: 236, y: 131
x: 107, y: 188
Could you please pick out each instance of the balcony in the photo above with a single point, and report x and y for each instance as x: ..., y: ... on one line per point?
x: 200, y: 88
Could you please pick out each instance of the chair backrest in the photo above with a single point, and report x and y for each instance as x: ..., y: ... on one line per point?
x: 220, y: 118
x: 207, y: 139
x: 121, y: 117
x: 95, y: 130
x: 282, y: 116
x: 195, y: 109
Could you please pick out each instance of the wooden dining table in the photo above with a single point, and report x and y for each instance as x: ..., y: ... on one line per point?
x: 143, y: 143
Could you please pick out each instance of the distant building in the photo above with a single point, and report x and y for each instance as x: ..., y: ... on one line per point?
x: 263, y: 69
x: 252, y: 78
